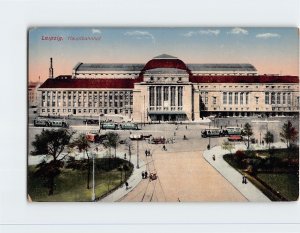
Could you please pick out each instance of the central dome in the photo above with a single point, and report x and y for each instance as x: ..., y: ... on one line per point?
x: 165, y: 61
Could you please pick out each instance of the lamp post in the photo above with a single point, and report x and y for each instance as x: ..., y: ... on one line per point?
x: 93, y: 193
x: 209, y: 136
x: 137, y: 154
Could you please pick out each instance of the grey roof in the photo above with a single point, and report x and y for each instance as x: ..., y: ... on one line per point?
x: 108, y: 67
x: 221, y: 67
x: 165, y: 56
x: 166, y: 71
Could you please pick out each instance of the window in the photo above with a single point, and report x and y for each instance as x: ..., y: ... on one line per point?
x: 180, y: 96
x: 278, y: 98
x: 256, y: 99
x: 230, y: 98
x: 247, y: 97
x: 214, y: 100
x: 224, y: 97
x: 173, y: 89
x: 267, y: 100
x: 273, y: 98
x: 166, y: 93
x: 151, y: 96
x: 283, y: 98
x: 236, y: 99
x: 289, y: 98
x: 241, y: 98
x: 158, y: 96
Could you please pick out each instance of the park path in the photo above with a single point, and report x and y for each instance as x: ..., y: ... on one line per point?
x: 252, y: 193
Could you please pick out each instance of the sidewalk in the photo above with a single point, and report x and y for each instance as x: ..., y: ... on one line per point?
x: 252, y: 193
x: 133, y: 180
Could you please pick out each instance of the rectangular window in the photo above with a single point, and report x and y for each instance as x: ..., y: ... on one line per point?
x: 158, y: 96
x: 166, y: 93
x: 214, y: 100
x: 241, y: 98
x: 180, y: 96
x: 224, y: 97
x: 230, y: 98
x: 283, y: 98
x: 173, y: 89
x: 278, y: 98
x: 151, y: 96
x: 247, y: 98
x: 236, y: 98
x: 273, y: 98
x: 267, y: 101
x: 289, y: 98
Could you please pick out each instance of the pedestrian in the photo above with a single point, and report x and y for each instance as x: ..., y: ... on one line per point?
x: 125, y: 156
x: 214, y: 158
x: 146, y: 152
x: 186, y: 127
x: 245, y: 180
x: 146, y: 174
x: 143, y: 175
x: 126, y: 184
x: 174, y: 134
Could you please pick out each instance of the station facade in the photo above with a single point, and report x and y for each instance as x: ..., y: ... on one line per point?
x: 167, y: 89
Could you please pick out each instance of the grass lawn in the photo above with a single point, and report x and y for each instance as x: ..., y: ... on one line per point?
x: 286, y: 184
x: 71, y: 185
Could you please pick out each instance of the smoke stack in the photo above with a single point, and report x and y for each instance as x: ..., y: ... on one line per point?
x: 51, y: 69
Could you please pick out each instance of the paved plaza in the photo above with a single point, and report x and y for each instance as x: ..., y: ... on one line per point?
x: 186, y: 172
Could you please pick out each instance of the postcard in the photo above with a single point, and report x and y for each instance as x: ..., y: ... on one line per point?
x: 163, y: 114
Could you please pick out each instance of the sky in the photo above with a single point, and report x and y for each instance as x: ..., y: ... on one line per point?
x: 270, y: 50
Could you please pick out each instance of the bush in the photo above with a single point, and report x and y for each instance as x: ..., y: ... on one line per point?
x: 239, y: 155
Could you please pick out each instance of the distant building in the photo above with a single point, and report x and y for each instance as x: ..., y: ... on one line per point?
x: 167, y: 89
x: 33, y: 94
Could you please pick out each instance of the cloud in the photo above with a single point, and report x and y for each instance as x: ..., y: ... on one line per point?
x: 96, y: 31
x: 208, y: 32
x: 267, y: 35
x: 140, y: 35
x: 238, y: 31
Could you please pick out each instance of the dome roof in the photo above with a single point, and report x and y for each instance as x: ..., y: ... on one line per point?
x: 165, y: 61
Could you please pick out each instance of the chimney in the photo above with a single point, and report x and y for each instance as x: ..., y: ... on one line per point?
x: 51, y: 69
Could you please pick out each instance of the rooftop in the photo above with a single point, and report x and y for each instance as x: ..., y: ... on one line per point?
x: 221, y: 67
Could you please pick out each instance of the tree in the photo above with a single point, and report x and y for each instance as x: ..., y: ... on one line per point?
x: 227, y: 146
x: 112, y: 141
x: 82, y: 144
x: 248, y: 132
x: 288, y: 134
x: 129, y: 145
x: 269, y: 138
x: 51, y: 143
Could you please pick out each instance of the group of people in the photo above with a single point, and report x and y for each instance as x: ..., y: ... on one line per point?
x: 147, y: 152
x: 144, y: 175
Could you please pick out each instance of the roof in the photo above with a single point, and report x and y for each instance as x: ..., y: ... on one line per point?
x: 165, y: 56
x: 108, y: 67
x: 244, y: 79
x: 221, y: 67
x: 165, y: 63
x: 166, y: 71
x: 70, y: 83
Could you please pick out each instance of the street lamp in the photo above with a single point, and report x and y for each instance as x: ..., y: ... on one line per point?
x: 209, y: 136
x: 137, y: 154
x: 93, y: 193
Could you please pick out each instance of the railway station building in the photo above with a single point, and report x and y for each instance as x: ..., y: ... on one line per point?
x: 167, y: 89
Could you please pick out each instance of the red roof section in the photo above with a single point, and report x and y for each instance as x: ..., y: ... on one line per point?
x: 165, y: 63
x: 245, y: 79
x: 90, y: 83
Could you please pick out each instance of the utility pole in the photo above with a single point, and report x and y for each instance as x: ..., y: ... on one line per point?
x: 137, y: 154
x: 93, y: 194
